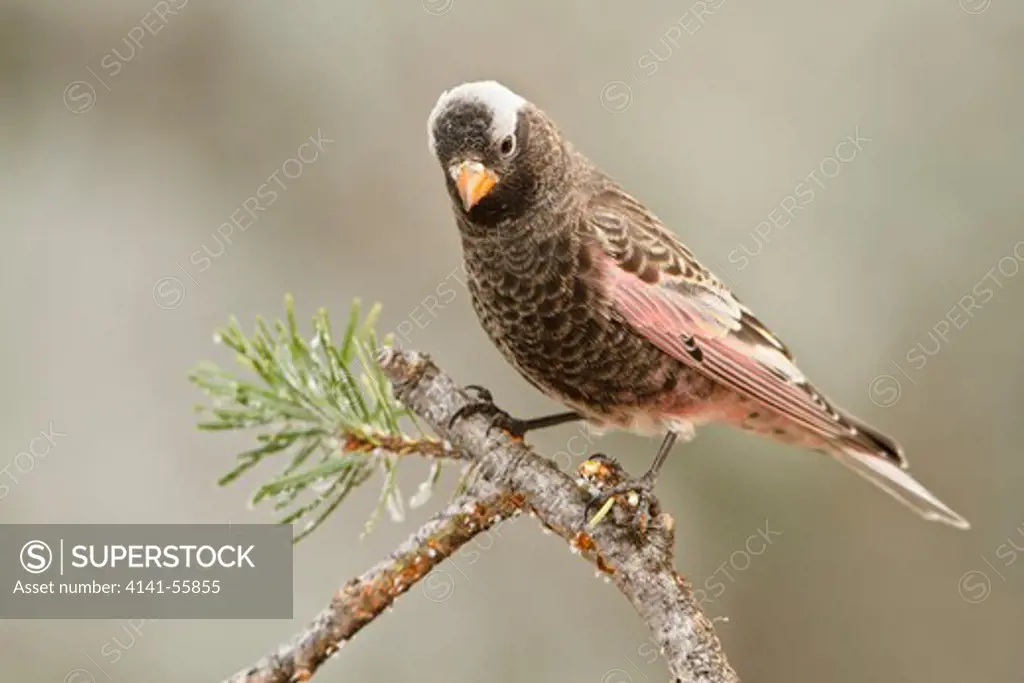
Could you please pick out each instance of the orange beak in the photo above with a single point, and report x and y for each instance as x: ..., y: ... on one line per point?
x: 474, y: 181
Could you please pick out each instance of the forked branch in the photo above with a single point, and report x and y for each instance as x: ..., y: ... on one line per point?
x: 509, y: 476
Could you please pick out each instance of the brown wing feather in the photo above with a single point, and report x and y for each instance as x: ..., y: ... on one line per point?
x: 661, y: 290
x: 645, y: 247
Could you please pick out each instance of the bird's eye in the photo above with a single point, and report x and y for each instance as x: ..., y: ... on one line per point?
x: 508, y: 145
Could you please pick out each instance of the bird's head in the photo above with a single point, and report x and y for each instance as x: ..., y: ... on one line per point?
x: 500, y: 155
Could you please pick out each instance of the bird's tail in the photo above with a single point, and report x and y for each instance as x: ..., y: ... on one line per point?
x: 880, y: 460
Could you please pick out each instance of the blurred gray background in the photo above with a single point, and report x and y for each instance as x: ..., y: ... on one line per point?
x: 118, y: 168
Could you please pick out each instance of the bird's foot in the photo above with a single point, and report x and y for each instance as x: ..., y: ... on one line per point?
x: 479, y: 393
x: 635, y: 495
x: 482, y: 403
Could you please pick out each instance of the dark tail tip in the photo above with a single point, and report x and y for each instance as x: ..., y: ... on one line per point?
x: 876, y: 443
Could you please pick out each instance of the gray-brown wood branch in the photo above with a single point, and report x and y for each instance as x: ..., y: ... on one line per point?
x: 640, y: 564
x: 364, y: 598
x: 509, y: 477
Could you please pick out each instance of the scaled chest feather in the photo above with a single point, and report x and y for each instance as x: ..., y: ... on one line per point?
x: 544, y: 309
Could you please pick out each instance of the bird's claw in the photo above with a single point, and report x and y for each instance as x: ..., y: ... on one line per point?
x: 483, y: 404
x: 481, y: 394
x: 514, y: 427
x: 638, y: 497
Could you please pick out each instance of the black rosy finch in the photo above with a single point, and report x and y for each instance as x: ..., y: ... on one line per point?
x: 598, y: 305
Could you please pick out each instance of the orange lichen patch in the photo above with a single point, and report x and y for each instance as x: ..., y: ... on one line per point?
x: 412, y: 573
x: 354, y: 443
x: 516, y: 501
x: 301, y: 676
x: 584, y: 542
x: 435, y: 552
x: 595, y: 469
x: 603, y: 565
x: 399, y: 445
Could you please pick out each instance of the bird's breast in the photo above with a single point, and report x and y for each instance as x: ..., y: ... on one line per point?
x: 543, y: 306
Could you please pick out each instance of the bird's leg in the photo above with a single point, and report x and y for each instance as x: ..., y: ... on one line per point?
x: 644, y: 486
x: 484, y: 404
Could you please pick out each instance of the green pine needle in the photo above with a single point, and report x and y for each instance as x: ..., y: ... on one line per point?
x: 308, y: 398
